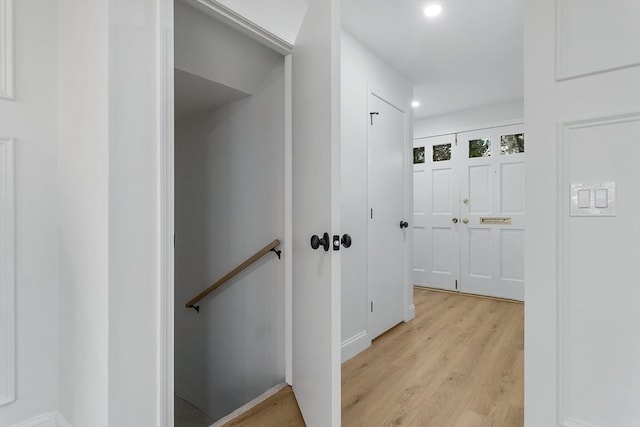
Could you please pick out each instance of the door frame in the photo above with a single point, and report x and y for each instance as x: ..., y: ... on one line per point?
x: 373, y: 90
x: 166, y: 194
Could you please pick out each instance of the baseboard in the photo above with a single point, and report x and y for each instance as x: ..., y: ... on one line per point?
x: 241, y: 410
x: 50, y: 419
x: 411, y: 313
x: 354, y: 345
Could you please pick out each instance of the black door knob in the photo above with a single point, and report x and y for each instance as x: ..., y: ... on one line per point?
x: 316, y: 242
x: 404, y: 224
x: 346, y: 240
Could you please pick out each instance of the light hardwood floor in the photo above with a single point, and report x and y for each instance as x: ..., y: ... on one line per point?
x: 459, y: 363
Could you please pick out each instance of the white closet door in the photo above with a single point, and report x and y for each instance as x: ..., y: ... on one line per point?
x: 386, y: 236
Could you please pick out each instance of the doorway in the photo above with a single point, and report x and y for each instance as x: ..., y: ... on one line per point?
x: 469, y: 212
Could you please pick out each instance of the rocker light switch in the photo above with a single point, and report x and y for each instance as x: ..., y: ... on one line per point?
x: 584, y: 199
x: 595, y: 198
x: 602, y: 197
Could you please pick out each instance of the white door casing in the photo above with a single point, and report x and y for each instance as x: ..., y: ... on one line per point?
x: 582, y: 113
x: 316, y: 210
x: 386, y: 198
x: 436, y: 215
x: 492, y: 190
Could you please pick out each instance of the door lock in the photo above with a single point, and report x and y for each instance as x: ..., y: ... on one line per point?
x: 403, y: 224
x: 454, y: 220
x: 465, y: 220
x: 337, y: 241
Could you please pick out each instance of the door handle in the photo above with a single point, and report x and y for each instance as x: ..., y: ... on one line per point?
x: 465, y: 220
x: 345, y: 241
x: 454, y: 220
x: 403, y: 224
x: 316, y: 241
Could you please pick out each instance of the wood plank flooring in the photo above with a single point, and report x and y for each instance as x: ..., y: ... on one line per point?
x: 459, y: 363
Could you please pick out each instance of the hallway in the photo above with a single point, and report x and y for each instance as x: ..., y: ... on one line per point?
x: 459, y: 363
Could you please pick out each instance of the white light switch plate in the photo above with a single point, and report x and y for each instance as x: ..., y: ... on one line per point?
x: 593, y: 199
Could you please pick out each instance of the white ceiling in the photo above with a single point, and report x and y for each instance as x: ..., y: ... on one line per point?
x: 469, y: 56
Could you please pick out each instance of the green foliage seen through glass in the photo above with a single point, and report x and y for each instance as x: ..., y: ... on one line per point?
x: 479, y: 148
x: 441, y: 152
x: 418, y: 155
x: 512, y: 144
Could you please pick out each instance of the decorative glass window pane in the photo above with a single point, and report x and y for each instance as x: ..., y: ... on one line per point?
x: 441, y: 152
x: 418, y: 155
x: 479, y: 148
x: 512, y: 144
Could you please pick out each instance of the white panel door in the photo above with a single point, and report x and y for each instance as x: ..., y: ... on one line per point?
x: 387, y: 229
x: 582, y: 113
x: 436, y: 223
x: 492, y: 208
x: 316, y: 210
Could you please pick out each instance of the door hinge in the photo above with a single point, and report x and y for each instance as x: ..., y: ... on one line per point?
x: 371, y: 114
x: 456, y: 139
x: 371, y: 213
x: 372, y: 306
x: 456, y: 285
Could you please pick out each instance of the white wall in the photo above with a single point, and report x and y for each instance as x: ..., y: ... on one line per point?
x: 361, y: 69
x: 109, y: 213
x: 31, y: 120
x: 229, y: 204
x: 83, y: 211
x: 134, y: 217
x: 500, y: 114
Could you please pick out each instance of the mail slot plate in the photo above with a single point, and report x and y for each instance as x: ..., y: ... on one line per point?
x: 496, y: 220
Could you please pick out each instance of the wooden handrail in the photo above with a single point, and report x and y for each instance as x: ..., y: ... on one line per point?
x: 230, y: 275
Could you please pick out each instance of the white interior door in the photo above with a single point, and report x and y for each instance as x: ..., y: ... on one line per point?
x: 316, y: 210
x: 387, y: 229
x: 492, y: 208
x: 436, y: 223
x: 582, y: 113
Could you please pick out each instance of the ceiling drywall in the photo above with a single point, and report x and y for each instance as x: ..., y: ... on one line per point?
x: 194, y: 94
x: 469, y: 56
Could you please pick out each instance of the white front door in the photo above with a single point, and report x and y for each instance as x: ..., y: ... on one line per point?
x: 387, y: 229
x: 491, y: 164
x: 582, y: 112
x: 316, y: 210
x: 469, y: 212
x: 436, y: 225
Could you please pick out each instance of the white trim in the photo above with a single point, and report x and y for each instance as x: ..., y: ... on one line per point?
x: 411, y: 311
x: 165, y: 117
x: 563, y: 273
x: 6, y: 49
x: 354, y: 345
x: 50, y: 419
x: 244, y: 25
x: 563, y: 68
x: 7, y: 278
x: 471, y: 128
x: 241, y: 410
x: 288, y: 218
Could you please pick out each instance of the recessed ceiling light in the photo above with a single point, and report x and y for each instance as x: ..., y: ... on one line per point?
x: 415, y: 104
x: 433, y: 10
